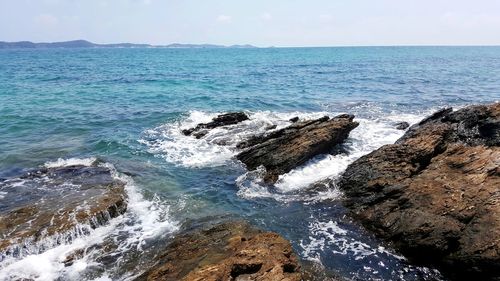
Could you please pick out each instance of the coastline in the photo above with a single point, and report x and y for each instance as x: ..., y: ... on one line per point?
x: 127, y: 109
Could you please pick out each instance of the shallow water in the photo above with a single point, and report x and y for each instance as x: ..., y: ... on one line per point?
x: 126, y: 107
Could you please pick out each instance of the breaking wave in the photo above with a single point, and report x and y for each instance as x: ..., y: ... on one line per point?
x: 218, y: 148
x: 329, y: 241
x: 71, y: 257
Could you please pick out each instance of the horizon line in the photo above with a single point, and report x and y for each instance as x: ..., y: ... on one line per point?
x: 263, y: 47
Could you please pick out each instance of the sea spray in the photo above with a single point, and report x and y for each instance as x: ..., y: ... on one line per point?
x: 218, y: 147
x: 47, y: 260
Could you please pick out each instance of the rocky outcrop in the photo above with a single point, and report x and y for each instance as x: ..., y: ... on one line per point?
x: 221, y: 120
x: 226, y: 251
x: 51, y: 205
x: 402, y: 125
x: 435, y: 193
x: 282, y: 150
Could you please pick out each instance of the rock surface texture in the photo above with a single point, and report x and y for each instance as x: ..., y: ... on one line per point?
x: 402, y: 125
x: 435, y: 193
x: 226, y: 251
x: 51, y: 202
x: 221, y: 120
x: 283, y: 150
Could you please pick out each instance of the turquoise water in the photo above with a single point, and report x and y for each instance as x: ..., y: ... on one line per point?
x: 126, y: 107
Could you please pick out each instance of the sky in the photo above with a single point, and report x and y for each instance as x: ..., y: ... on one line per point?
x: 262, y: 23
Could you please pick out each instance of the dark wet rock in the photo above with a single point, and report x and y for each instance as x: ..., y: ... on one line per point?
x: 283, y: 150
x: 437, y: 115
x: 271, y: 127
x: 435, y: 193
x: 402, y: 125
x: 221, y: 120
x: 73, y: 256
x: 226, y: 251
x: 52, y: 205
x: 294, y: 119
x: 314, y: 271
x: 321, y: 186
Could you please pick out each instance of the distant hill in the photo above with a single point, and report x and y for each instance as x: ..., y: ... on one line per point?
x: 178, y: 45
x: 87, y: 44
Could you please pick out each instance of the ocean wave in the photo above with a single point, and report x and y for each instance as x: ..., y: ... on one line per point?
x: 329, y: 233
x: 370, y: 135
x: 218, y: 148
x: 168, y: 142
x: 328, y: 238
x: 71, y: 162
x: 144, y: 219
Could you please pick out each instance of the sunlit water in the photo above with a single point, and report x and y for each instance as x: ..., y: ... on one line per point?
x: 126, y: 107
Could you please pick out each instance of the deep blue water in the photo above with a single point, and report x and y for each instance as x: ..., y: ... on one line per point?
x: 126, y: 107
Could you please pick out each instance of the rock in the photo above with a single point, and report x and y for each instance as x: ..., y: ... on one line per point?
x: 402, y: 125
x: 282, y: 150
x: 435, y: 193
x: 226, y: 251
x: 51, y: 206
x: 271, y: 127
x: 294, y: 119
x: 73, y: 256
x: 221, y: 120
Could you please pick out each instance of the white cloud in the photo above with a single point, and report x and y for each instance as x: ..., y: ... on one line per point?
x: 224, y: 19
x: 325, y: 18
x: 266, y: 16
x: 46, y: 20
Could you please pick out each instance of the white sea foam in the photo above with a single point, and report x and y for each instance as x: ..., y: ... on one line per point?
x: 326, y: 237
x: 328, y: 234
x: 168, y: 142
x: 49, y: 265
x: 370, y: 135
x: 143, y: 220
x: 70, y: 162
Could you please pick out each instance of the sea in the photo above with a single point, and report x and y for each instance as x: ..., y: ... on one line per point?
x: 126, y: 107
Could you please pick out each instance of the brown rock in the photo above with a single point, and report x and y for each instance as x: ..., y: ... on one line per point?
x: 221, y: 120
x: 54, y: 201
x: 283, y: 150
x: 435, y: 193
x: 227, y: 251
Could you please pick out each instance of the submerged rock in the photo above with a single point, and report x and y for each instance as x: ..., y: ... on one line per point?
x: 221, y: 120
x: 435, y: 193
x: 402, y: 125
x: 51, y: 206
x: 226, y: 251
x: 283, y: 150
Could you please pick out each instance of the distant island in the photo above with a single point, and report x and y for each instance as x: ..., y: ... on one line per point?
x: 87, y: 44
